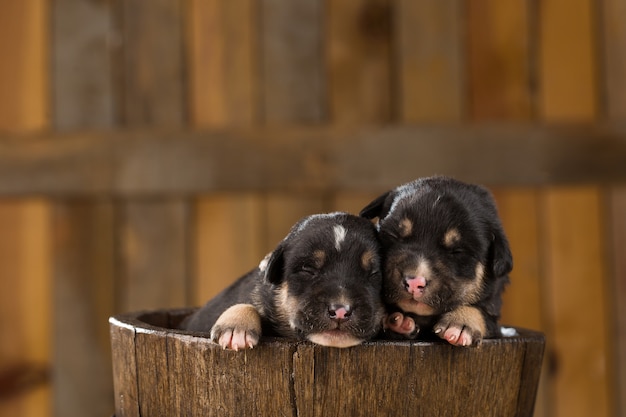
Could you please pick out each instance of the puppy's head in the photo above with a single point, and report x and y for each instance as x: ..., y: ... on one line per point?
x: 327, y: 280
x: 444, y: 246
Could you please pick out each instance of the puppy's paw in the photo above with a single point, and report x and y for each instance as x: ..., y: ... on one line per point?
x: 239, y: 327
x: 400, y: 324
x: 464, y: 326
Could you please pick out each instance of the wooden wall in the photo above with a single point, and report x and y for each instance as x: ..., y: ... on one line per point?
x: 152, y: 152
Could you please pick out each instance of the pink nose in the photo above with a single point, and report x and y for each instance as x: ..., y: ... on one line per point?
x: 339, y: 312
x: 416, y: 285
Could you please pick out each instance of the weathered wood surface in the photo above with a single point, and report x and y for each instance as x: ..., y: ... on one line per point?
x: 160, y: 371
x: 175, y: 162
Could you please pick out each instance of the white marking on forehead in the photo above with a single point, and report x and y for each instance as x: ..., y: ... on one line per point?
x: 306, y: 221
x: 340, y: 236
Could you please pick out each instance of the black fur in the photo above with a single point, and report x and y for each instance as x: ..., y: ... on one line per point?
x: 413, y: 220
x: 296, y: 286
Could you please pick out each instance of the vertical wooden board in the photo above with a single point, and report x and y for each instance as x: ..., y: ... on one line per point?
x: 359, y: 61
x: 25, y: 305
x: 567, y: 60
x: 151, y: 67
x: 153, y: 258
x: 84, y: 273
x: 617, y: 227
x: 498, y: 60
x: 522, y: 302
x: 284, y: 210
x: 613, y: 15
x: 430, y: 65
x: 81, y: 59
x: 24, y: 70
x: 293, y: 86
x: 214, y: 382
x: 577, y: 300
x: 222, y: 64
x: 84, y: 299
x: 153, y: 382
x: 124, y: 359
x: 228, y: 241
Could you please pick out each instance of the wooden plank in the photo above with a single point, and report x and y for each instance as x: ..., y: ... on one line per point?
x: 84, y: 266
x: 576, y: 288
x: 293, y: 86
x: 153, y: 254
x: 124, y: 362
x: 613, y: 13
x: 617, y: 227
x: 165, y: 162
x: 25, y: 304
x: 228, y: 241
x: 222, y: 63
x: 283, y: 210
x: 429, y: 41
x: 567, y: 65
x: 84, y: 279
x: 150, y: 62
x: 223, y: 66
x: 81, y: 59
x: 24, y: 77
x: 184, y: 374
x: 498, y: 60
x: 524, y: 301
x: 359, y: 61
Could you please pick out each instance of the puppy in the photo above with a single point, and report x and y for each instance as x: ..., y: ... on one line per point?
x: 447, y: 259
x: 321, y: 283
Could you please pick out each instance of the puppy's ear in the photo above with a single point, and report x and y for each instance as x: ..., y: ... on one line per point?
x: 274, y: 268
x: 377, y: 208
x: 501, y: 256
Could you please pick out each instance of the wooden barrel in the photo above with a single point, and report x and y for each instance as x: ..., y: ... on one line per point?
x: 160, y: 371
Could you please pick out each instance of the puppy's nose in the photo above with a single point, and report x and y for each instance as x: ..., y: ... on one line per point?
x: 415, y: 285
x: 339, y: 312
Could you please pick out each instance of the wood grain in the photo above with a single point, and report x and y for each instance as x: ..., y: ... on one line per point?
x: 164, y: 162
x: 430, y: 84
x: 617, y: 221
x: 222, y: 62
x: 183, y: 374
x: 153, y: 254
x: 359, y: 61
x: 498, y: 60
x: 150, y: 89
x: 293, y: 85
x: 84, y: 261
x: 575, y: 259
x: 228, y: 241
x: 613, y: 40
x: 567, y: 66
x: 25, y: 242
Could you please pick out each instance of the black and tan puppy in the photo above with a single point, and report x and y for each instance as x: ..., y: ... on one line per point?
x: 322, y: 283
x: 447, y: 259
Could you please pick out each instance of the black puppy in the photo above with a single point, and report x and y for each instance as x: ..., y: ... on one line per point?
x: 447, y: 259
x: 322, y: 283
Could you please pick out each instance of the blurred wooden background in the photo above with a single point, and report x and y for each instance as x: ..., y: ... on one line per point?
x: 153, y: 151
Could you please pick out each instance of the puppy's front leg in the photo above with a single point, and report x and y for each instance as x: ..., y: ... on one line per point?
x: 239, y: 327
x: 463, y: 326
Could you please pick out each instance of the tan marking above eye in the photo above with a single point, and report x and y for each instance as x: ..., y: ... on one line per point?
x: 319, y: 256
x: 451, y: 237
x: 367, y: 259
x: 406, y: 227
